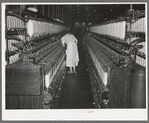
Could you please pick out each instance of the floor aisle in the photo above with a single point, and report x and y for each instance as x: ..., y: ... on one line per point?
x: 76, y: 91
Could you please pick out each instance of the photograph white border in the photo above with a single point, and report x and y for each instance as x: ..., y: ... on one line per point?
x: 71, y: 114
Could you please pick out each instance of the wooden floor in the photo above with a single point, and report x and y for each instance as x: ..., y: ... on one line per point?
x: 76, y: 91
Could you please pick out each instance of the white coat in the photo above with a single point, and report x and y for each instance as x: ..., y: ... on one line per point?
x: 72, y: 57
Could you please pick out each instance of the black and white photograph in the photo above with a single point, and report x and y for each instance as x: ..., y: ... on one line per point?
x: 74, y: 61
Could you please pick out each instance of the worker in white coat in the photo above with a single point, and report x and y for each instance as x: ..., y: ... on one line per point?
x: 72, y: 57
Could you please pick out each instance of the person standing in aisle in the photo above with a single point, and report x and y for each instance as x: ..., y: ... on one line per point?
x: 72, y: 57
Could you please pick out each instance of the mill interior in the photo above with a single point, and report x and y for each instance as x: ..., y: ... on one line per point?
x: 112, y: 56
